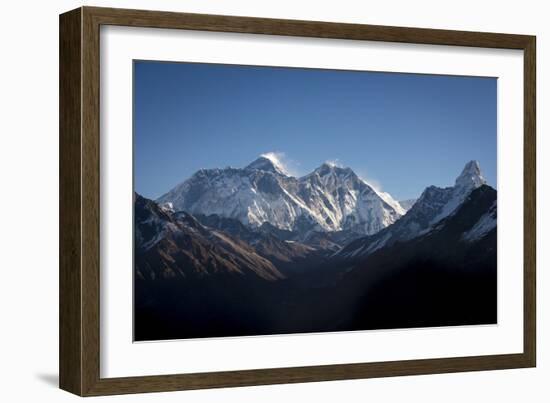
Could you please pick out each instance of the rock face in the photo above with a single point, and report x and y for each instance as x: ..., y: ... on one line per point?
x: 169, y: 246
x: 329, y: 199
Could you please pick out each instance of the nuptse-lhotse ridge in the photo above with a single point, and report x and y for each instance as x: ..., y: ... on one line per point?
x: 328, y: 231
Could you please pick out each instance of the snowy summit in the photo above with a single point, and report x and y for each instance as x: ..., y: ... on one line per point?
x: 269, y: 162
x: 331, y: 198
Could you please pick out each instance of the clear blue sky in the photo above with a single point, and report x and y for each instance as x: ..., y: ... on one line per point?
x: 402, y: 132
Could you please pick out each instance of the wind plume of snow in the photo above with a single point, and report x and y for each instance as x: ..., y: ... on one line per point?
x: 334, y: 163
x: 282, y: 162
x: 373, y: 183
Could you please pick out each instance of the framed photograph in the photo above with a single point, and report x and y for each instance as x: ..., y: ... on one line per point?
x: 248, y: 201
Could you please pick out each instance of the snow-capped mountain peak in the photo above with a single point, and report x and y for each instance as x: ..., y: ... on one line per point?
x: 434, y: 205
x: 471, y: 177
x: 268, y: 162
x: 333, y: 175
x: 328, y: 168
x: 331, y: 198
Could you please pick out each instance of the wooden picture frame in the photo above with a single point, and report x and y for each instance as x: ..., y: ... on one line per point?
x: 79, y: 201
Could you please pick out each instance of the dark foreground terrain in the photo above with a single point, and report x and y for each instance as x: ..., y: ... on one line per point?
x: 206, y: 277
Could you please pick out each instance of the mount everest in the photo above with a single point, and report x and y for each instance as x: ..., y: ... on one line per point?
x: 330, y: 198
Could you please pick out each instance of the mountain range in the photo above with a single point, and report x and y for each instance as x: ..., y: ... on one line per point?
x: 254, y: 250
x: 433, y: 205
x: 330, y: 198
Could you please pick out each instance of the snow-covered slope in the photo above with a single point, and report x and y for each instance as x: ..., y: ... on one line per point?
x: 330, y: 198
x: 483, y: 226
x: 343, y: 201
x: 470, y: 179
x: 432, y: 206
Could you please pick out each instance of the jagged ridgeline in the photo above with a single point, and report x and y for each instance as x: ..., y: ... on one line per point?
x: 330, y: 198
x: 254, y: 250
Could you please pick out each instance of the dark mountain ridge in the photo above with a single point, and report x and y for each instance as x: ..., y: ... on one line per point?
x: 168, y: 246
x: 210, y: 276
x: 437, y: 279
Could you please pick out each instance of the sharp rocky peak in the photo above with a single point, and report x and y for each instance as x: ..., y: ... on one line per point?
x: 471, y: 176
